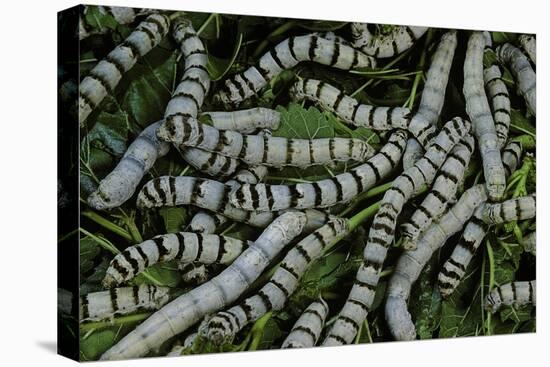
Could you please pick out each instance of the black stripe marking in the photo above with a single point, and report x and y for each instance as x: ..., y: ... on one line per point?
x: 306, y: 330
x: 181, y: 245
x: 281, y: 287
x: 161, y: 249
x: 265, y: 300
x: 335, y: 54
x: 291, y: 47
x: 358, y: 181
x: 114, y: 299
x: 338, y: 100
x: 318, y: 194
x: 312, y: 47
x: 275, y: 57
x: 375, y: 170
x: 303, y: 253
x: 360, y: 304
x: 133, y: 262
x: 290, y: 270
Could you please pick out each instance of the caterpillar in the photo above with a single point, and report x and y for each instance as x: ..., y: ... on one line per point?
x: 400, y: 39
x: 245, y: 121
x: 515, y: 294
x: 183, y: 246
x: 105, y: 305
x: 526, y: 79
x: 433, y: 94
x: 307, y: 329
x: 442, y: 193
x: 224, y: 325
x: 194, y: 274
x: 529, y: 45
x: 286, y: 55
x: 530, y: 243
x: 411, y: 263
x: 520, y: 208
x: 382, y: 231
x: 106, y: 75
x: 186, y: 310
x: 121, y: 14
x: 483, y: 124
x: 262, y: 149
x: 204, y: 222
x: 338, y: 189
x: 211, y: 195
x: 500, y: 101
x: 454, y: 268
x: 349, y: 109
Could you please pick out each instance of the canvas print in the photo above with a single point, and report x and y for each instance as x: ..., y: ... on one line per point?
x: 236, y: 183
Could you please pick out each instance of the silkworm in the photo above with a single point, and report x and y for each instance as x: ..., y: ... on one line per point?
x: 106, y: 75
x: 204, y: 222
x: 514, y: 294
x: 400, y: 39
x: 529, y: 45
x: 455, y: 267
x: 338, y: 189
x: 382, y: 231
x: 183, y: 246
x: 411, y: 263
x: 246, y: 121
x: 530, y: 243
x: 186, y: 310
x: 520, y: 208
x: 194, y: 274
x: 119, y: 185
x: 261, y: 149
x: 224, y: 325
x: 442, y: 194
x: 105, y: 305
x: 286, y: 55
x: 211, y: 195
x: 479, y: 111
x: 307, y: 329
x: 500, y: 102
x: 348, y: 108
x: 433, y: 94
x: 526, y: 79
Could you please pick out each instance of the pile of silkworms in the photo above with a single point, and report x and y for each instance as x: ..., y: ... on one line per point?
x: 431, y: 199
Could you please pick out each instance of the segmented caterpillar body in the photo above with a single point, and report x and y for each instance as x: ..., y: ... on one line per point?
x: 479, y: 111
x: 211, y: 195
x: 433, y: 94
x: 382, y: 231
x: 400, y: 39
x: 530, y: 243
x: 520, y: 208
x: 105, y: 76
x: 246, y: 121
x: 121, y: 15
x: 442, y: 194
x: 348, y: 108
x: 411, y: 263
x: 224, y: 289
x: 307, y: 330
x: 262, y: 149
x: 500, y: 101
x: 183, y: 246
x: 338, y: 189
x: 515, y: 294
x: 526, y: 79
x: 286, y: 55
x: 194, y: 274
x: 223, y: 326
x: 105, y: 305
x: 529, y: 45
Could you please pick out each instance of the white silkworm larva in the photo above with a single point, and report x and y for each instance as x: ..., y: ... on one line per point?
x: 479, y: 111
x: 442, y: 194
x: 500, y: 101
x: 400, y: 39
x: 382, y: 231
x: 186, y: 310
x: 433, y: 94
x: 263, y: 149
x: 307, y: 329
x: 530, y: 243
x: 520, y: 208
x: 204, y: 222
x: 514, y: 294
x: 211, y: 195
x: 104, y: 77
x: 105, y: 305
x: 288, y: 54
x: 454, y: 268
x: 183, y: 246
x: 224, y: 325
x: 119, y: 185
x: 349, y: 109
x: 246, y: 121
x: 194, y: 274
x: 411, y: 263
x: 338, y: 189
x: 529, y: 45
x: 526, y: 79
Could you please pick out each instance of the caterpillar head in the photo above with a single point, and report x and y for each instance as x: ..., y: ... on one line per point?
x: 219, y: 329
x: 493, y: 302
x: 173, y: 129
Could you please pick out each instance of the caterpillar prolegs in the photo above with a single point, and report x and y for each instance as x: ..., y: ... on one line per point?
x: 398, y: 40
x: 515, y: 294
x: 286, y: 55
x: 307, y: 330
x: 186, y: 310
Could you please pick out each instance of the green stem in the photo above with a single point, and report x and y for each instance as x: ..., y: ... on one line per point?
x: 105, y: 223
x: 363, y: 215
x: 102, y: 242
x: 420, y: 66
x: 116, y: 321
x: 491, y: 257
x: 366, y: 195
x: 206, y: 22
x: 523, y: 130
x: 64, y: 237
x: 258, y: 330
x: 277, y: 32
